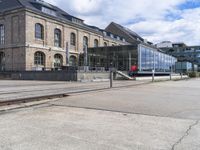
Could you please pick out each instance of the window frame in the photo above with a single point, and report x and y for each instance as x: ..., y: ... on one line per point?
x: 57, y: 37
x: 96, y: 43
x: 39, y: 58
x: 73, y: 39
x: 2, y: 34
x: 39, y: 32
x: 58, y: 64
x: 85, y: 41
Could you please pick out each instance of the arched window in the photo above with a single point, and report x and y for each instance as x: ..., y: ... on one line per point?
x: 58, y: 60
x: 105, y: 44
x: 39, y: 58
x: 73, y: 39
x: 73, y: 61
x: 85, y: 41
x: 57, y: 38
x: 96, y: 43
x: 2, y: 34
x: 39, y: 31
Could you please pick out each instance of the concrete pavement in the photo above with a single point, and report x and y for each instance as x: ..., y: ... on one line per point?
x: 179, y: 99
x: 158, y: 116
x: 61, y: 128
x: 11, y: 90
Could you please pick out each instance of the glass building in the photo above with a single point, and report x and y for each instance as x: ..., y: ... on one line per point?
x: 145, y: 57
x: 151, y: 59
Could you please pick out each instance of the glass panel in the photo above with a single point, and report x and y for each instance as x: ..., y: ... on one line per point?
x: 2, y: 34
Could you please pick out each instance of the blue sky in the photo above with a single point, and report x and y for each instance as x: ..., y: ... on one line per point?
x: 155, y: 20
x: 189, y: 5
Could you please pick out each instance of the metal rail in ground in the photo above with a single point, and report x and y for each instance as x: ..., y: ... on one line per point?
x: 60, y: 95
x: 31, y: 99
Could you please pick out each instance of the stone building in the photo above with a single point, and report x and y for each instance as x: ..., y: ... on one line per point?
x: 35, y: 35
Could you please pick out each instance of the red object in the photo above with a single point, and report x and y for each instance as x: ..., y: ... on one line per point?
x: 134, y: 68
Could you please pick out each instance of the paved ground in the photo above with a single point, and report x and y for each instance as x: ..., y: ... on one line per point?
x: 159, y: 116
x: 179, y: 99
x: 12, y: 90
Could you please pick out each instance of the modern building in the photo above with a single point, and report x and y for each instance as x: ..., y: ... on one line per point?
x: 144, y: 56
x: 35, y: 35
x: 183, y: 53
x: 185, y: 67
x: 165, y: 44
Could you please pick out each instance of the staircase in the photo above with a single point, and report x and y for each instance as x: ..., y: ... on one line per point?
x: 125, y: 76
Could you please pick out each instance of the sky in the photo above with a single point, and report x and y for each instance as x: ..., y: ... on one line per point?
x: 155, y: 20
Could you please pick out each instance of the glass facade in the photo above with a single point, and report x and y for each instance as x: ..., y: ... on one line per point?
x: 126, y: 57
x: 151, y: 59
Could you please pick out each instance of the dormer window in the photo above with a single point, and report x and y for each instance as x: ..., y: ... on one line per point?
x: 105, y: 33
x: 48, y: 11
x: 77, y: 21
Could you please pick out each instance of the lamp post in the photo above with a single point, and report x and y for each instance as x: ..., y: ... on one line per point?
x: 111, y: 75
x: 67, y: 53
x: 85, y: 50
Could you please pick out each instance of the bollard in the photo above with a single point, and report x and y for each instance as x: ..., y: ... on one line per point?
x: 181, y: 75
x: 153, y: 75
x: 170, y: 76
x: 170, y: 73
x: 111, y: 78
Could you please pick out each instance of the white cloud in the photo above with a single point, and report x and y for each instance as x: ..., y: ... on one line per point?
x: 156, y: 20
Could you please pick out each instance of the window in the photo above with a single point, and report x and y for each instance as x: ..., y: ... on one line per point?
x: 77, y: 21
x: 96, y: 43
x: 57, y: 38
x: 39, y: 58
x: 39, y: 31
x: 85, y: 41
x: 48, y: 11
x: 105, y: 44
x: 2, y: 34
x: 73, y: 39
x: 58, y: 61
x: 73, y: 61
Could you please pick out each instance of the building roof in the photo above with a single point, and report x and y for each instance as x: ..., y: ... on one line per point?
x: 34, y: 5
x: 45, y: 8
x: 42, y: 7
x: 6, y: 5
x: 130, y: 35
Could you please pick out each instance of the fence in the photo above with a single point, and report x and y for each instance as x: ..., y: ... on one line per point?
x: 63, y: 75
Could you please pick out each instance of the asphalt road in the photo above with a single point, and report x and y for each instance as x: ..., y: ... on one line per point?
x: 158, y: 116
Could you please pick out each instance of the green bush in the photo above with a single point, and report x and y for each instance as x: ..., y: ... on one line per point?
x: 194, y: 74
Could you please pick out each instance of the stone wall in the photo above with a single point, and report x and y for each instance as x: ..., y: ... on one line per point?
x: 13, y: 48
